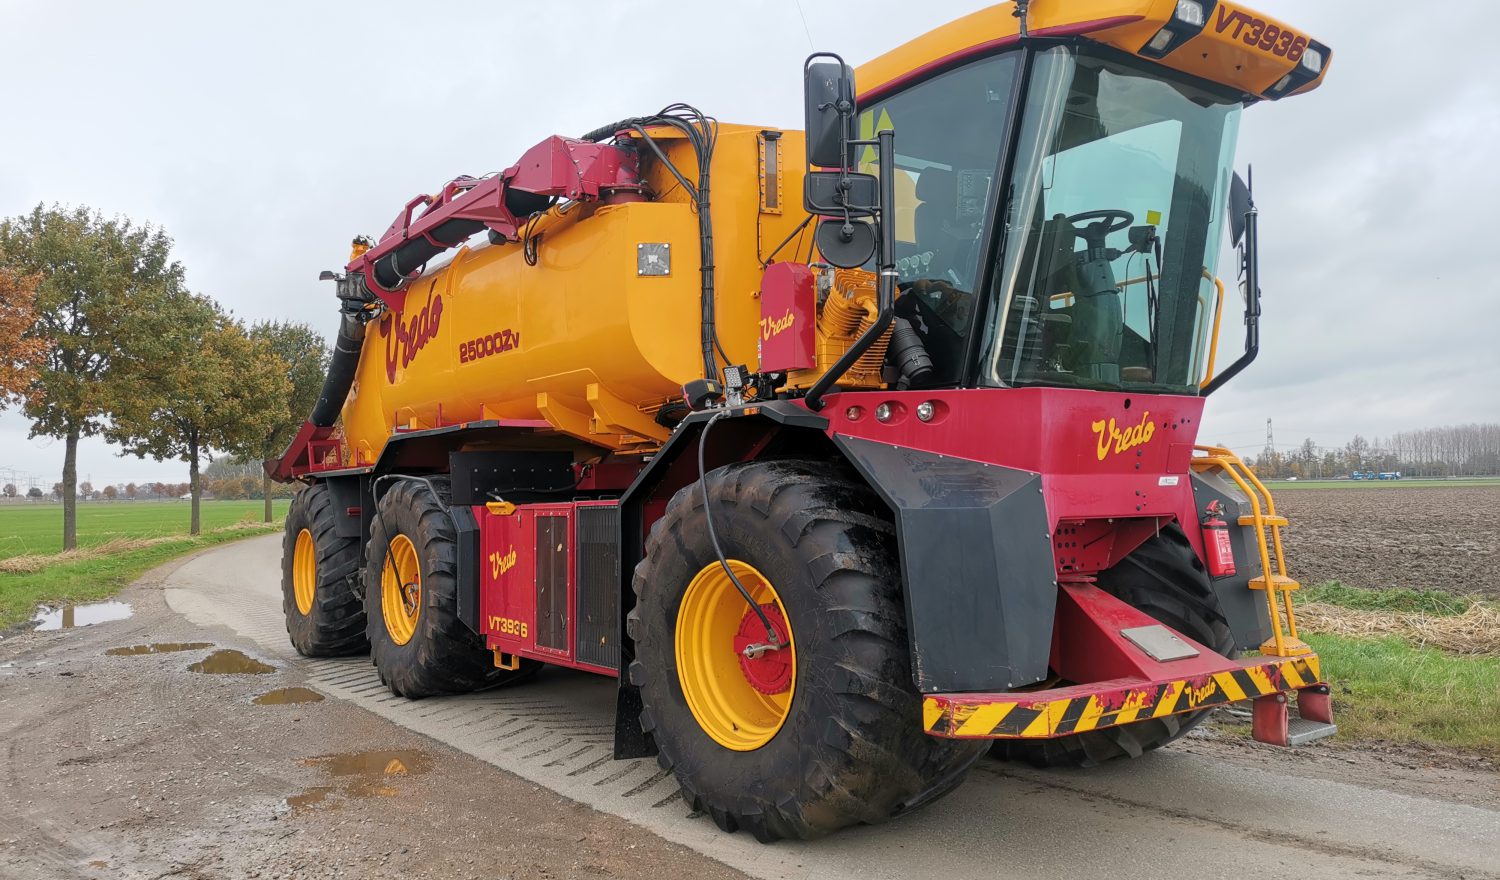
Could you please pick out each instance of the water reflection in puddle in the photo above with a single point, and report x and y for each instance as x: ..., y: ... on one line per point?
x: 227, y: 661
x: 70, y: 616
x: 361, y: 775
x: 157, y: 648
x: 288, y: 696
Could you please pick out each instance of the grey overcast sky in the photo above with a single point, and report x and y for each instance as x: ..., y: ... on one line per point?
x: 263, y: 135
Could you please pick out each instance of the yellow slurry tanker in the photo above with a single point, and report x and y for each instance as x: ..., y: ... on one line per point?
x: 854, y: 454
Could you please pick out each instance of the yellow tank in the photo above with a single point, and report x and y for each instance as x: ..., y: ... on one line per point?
x: 605, y: 327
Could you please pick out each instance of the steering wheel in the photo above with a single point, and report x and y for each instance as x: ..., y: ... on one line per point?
x: 1110, y: 220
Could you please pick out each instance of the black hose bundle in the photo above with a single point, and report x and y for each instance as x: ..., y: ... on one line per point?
x: 702, y: 132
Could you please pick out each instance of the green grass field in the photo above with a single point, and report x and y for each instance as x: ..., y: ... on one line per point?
x: 27, y: 528
x: 1281, y: 485
x: 37, y: 528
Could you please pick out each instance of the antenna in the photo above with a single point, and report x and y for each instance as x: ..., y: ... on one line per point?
x: 1020, y: 12
x: 802, y: 15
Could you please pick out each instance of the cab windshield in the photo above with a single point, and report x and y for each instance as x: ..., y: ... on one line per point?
x: 1113, y: 230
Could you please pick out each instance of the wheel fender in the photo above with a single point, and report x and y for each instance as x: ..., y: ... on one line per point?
x: 976, y: 562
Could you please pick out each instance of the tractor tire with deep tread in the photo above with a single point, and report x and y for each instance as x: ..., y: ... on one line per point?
x: 333, y: 623
x: 442, y: 656
x: 851, y: 748
x: 1165, y: 579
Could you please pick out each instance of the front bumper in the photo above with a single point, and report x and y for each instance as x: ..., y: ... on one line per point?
x: 1130, y: 668
x: 1061, y: 711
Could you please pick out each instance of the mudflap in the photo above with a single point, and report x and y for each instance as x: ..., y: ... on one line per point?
x: 976, y: 562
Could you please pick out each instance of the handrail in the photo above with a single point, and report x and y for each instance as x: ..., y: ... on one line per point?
x: 1213, y: 344
x: 1275, y: 578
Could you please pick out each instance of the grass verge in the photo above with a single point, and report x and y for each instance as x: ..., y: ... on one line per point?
x: 29, y: 528
x: 91, y: 577
x: 1433, y: 602
x: 1406, y: 483
x: 1407, y: 666
x: 1386, y: 689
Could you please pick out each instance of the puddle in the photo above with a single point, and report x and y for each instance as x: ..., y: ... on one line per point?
x: 227, y: 661
x: 288, y: 696
x: 360, y: 775
x: 158, y: 648
x: 70, y: 616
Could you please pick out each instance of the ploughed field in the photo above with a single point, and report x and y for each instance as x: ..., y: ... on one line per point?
x: 1388, y: 536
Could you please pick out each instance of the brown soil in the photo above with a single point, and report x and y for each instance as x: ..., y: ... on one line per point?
x: 1420, y: 537
x: 135, y: 766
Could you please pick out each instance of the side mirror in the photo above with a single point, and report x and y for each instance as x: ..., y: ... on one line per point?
x: 828, y: 104
x: 847, y: 244
x: 1239, y: 206
x: 841, y: 193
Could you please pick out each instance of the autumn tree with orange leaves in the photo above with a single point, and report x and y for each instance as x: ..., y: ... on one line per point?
x: 20, y: 352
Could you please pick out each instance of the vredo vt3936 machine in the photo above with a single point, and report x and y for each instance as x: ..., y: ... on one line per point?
x: 846, y: 490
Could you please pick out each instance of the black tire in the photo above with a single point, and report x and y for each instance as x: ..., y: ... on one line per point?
x: 334, y: 625
x: 852, y: 748
x: 1166, y: 580
x: 443, y: 655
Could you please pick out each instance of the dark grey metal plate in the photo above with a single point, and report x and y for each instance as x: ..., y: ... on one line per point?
x: 976, y: 561
x: 1159, y: 643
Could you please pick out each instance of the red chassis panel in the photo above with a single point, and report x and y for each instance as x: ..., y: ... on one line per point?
x: 528, y: 589
x: 1103, y: 456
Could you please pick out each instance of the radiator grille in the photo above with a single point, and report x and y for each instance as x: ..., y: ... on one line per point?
x: 552, y: 582
x: 599, y: 586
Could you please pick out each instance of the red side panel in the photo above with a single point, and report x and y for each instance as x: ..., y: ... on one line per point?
x: 507, y: 597
x: 529, y: 586
x: 787, y: 305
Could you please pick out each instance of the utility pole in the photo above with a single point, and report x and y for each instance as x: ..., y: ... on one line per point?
x: 1268, y: 456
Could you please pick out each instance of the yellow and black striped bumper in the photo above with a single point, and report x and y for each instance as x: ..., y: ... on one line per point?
x: 1061, y: 711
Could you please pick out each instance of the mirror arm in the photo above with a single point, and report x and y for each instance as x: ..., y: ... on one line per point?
x: 885, y: 285
x: 1252, y: 306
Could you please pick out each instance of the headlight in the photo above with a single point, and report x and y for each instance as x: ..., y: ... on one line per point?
x: 1312, y: 59
x: 1190, y: 12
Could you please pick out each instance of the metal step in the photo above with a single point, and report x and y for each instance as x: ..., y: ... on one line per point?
x: 1301, y: 731
x: 1275, y: 581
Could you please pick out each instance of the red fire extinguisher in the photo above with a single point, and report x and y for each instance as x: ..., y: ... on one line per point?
x: 1216, y: 544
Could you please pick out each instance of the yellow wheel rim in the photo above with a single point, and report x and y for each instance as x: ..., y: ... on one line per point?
x: 739, y: 702
x: 401, y: 590
x: 304, y: 572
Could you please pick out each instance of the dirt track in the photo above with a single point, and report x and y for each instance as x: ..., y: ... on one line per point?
x: 137, y: 765
x: 1419, y: 537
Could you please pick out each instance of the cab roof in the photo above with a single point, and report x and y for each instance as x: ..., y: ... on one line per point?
x: 1219, y: 41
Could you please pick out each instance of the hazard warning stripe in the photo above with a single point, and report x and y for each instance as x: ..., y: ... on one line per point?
x: 1032, y: 716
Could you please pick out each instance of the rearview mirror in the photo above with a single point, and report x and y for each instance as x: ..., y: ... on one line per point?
x: 828, y: 104
x: 1239, y: 206
x: 835, y: 193
x: 847, y: 244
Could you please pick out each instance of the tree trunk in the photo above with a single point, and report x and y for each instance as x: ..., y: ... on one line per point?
x: 194, y: 484
x: 70, y: 488
x: 265, y: 484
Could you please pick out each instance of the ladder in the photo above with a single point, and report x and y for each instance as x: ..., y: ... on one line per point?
x: 1268, y: 524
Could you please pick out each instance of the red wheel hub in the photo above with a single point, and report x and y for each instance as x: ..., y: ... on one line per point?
x: 771, y: 672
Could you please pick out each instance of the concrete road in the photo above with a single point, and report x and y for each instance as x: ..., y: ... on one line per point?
x: 1187, y: 811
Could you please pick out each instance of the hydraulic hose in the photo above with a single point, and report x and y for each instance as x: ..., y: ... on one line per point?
x: 341, y: 368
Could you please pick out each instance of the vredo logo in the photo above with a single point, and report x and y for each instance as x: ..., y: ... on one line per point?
x: 500, y: 563
x: 1114, y: 440
x: 775, y: 326
x: 403, y: 339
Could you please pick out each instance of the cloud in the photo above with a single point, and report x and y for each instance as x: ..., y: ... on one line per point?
x: 263, y: 137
